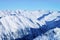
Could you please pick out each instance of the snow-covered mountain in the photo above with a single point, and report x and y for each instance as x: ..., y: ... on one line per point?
x: 28, y: 25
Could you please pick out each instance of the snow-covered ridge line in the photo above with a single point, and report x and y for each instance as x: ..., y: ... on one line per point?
x: 24, y: 12
x: 13, y: 22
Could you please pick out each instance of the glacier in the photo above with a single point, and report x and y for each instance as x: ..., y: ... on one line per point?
x: 29, y: 25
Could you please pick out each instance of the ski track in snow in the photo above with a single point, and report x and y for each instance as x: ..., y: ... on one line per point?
x: 16, y: 24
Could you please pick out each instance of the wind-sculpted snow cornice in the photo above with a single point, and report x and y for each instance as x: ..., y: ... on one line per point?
x: 19, y: 24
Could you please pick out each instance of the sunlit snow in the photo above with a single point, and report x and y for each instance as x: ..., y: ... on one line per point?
x: 20, y: 23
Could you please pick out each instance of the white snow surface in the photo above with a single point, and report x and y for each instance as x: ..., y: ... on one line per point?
x: 12, y: 21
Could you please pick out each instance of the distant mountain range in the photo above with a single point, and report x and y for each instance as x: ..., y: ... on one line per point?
x: 28, y: 25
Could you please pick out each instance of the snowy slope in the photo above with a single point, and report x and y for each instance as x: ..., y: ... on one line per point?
x: 16, y: 24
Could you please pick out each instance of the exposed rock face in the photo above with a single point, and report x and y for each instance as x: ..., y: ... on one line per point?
x: 27, y: 25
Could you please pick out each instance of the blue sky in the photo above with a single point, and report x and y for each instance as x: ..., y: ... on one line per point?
x: 30, y: 4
